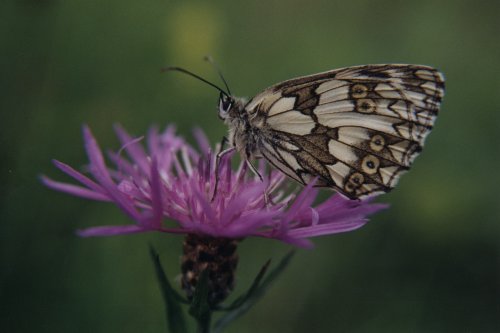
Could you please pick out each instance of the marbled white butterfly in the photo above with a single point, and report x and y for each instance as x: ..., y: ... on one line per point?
x: 354, y: 129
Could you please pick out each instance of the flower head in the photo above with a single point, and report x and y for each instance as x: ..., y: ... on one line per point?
x: 166, y: 178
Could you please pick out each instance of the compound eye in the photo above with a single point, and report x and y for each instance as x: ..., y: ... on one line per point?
x: 225, y: 102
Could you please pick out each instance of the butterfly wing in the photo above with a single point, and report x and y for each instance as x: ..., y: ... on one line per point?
x: 356, y: 129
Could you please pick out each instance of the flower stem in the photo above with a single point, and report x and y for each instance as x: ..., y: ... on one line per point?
x: 200, y: 308
x: 204, y: 322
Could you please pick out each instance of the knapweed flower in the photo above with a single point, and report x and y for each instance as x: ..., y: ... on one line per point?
x: 166, y: 185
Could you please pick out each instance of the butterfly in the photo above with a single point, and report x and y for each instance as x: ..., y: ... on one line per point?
x: 354, y: 129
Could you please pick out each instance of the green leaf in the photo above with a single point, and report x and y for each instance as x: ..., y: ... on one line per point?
x: 242, y: 299
x: 175, y: 316
x: 200, y: 308
x: 240, y: 306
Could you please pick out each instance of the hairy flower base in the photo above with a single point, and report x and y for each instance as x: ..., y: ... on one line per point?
x: 168, y: 179
x: 218, y: 257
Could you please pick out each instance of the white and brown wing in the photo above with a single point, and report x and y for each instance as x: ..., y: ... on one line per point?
x: 357, y: 129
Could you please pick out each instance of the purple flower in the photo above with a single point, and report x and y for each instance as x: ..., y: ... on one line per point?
x: 170, y: 180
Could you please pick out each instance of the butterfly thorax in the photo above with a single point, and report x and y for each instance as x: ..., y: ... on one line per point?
x: 242, y: 135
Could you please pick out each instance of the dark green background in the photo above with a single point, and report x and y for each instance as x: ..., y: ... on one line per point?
x: 429, y: 264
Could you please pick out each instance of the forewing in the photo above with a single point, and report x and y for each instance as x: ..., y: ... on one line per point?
x: 356, y: 129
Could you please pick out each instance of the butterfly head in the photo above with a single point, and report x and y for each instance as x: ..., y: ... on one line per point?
x: 226, y: 103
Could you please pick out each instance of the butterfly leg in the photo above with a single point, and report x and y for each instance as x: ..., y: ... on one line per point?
x: 254, y: 169
x: 222, y: 152
x: 267, y: 198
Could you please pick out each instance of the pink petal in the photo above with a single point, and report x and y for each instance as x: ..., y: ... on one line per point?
x: 74, y: 190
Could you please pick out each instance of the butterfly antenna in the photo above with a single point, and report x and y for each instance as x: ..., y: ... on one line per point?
x: 185, y: 71
x: 217, y: 68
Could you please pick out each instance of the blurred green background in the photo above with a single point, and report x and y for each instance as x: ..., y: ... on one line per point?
x: 429, y: 264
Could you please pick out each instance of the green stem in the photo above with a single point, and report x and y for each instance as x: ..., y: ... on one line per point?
x: 200, y: 309
x: 204, y: 322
